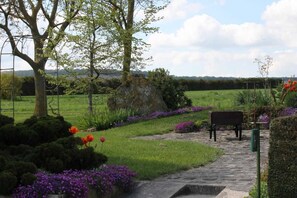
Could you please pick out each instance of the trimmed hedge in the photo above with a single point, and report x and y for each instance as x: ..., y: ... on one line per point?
x: 282, y: 171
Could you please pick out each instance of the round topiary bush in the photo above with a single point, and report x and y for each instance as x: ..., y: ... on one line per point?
x: 18, y: 168
x: 5, y: 120
x: 9, y: 135
x: 27, y: 179
x: 8, y: 182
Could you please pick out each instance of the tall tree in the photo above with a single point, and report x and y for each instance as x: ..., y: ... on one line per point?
x: 46, y: 22
x: 126, y: 24
x: 92, y: 49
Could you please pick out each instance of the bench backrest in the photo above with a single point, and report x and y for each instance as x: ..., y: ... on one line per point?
x: 226, y: 117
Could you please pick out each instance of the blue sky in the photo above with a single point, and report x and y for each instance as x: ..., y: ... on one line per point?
x: 223, y: 37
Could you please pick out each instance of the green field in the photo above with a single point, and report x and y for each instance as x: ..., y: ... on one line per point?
x: 73, y: 107
x: 218, y: 99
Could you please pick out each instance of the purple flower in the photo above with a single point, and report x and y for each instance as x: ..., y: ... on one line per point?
x: 160, y: 114
x: 264, y: 118
x: 288, y: 111
x: 184, y: 127
x: 76, y: 183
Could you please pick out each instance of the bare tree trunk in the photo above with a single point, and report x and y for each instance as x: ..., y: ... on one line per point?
x: 40, y: 95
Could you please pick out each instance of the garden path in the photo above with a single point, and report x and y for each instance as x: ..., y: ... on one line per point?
x: 236, y: 169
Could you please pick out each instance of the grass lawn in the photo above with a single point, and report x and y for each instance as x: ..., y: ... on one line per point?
x: 149, y: 158
x: 152, y: 158
x: 73, y: 107
x: 219, y: 99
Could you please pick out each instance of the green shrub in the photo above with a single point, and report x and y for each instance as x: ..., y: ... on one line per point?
x: 9, y: 135
x: 34, y: 131
x: 8, y: 182
x: 50, y: 156
x: 291, y: 99
x: 64, y: 154
x: 50, y: 128
x: 282, y: 155
x: 5, y: 120
x: 19, y: 152
x: 18, y: 168
x: 253, y: 98
x: 11, y: 86
x: 2, y: 163
x: 27, y: 179
x: 172, y: 91
x: 104, y: 119
x: 264, y: 192
x: 202, y: 124
x: 87, y: 159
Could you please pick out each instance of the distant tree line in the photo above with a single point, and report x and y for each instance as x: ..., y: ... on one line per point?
x: 25, y: 85
x: 107, y: 85
x: 221, y: 84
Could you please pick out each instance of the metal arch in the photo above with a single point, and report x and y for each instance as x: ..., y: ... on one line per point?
x: 21, y: 39
x: 13, y: 74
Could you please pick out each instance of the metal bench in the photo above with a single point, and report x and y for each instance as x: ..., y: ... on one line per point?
x: 234, y: 118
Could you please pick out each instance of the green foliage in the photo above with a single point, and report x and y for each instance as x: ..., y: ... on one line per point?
x: 253, y: 114
x: 34, y: 131
x: 48, y: 128
x: 18, y: 168
x: 19, y: 152
x: 264, y: 191
x: 202, y: 124
x: 10, y: 86
x: 64, y: 154
x: 87, y: 159
x: 253, y: 98
x: 104, y: 119
x: 27, y: 179
x: 2, y: 163
x: 8, y: 182
x: 172, y: 93
x: 291, y: 99
x: 5, y: 120
x: 282, y: 155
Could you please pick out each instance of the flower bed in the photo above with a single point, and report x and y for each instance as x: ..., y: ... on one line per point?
x: 160, y: 114
x: 77, y: 183
x: 185, y: 127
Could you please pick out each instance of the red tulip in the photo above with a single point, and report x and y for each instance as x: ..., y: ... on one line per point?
x: 102, y: 139
x: 90, y: 138
x: 84, y: 140
x: 73, y: 130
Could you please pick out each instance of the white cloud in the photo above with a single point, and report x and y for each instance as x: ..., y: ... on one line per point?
x: 203, y: 45
x: 205, y: 31
x: 179, y: 9
x: 280, y: 18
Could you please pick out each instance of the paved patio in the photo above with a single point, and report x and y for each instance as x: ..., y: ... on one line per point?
x: 236, y: 169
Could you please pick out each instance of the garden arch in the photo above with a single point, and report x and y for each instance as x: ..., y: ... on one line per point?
x: 10, y: 66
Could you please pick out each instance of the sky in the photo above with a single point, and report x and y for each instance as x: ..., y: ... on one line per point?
x: 224, y: 37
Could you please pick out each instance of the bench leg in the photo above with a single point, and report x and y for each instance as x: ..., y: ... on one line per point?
x: 240, y: 133
x: 210, y: 133
x: 215, y: 134
x: 236, y: 131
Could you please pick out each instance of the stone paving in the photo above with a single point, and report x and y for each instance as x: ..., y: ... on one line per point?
x: 236, y: 169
